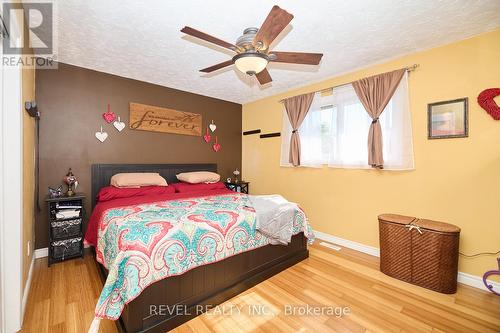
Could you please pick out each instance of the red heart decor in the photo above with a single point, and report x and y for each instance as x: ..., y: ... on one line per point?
x: 207, y: 136
x: 216, y: 145
x: 109, y: 116
x: 485, y: 100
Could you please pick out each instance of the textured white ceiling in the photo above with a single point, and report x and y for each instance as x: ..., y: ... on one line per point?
x: 141, y: 39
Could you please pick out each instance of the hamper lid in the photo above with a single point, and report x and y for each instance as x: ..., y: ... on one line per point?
x: 395, y: 218
x: 437, y: 226
x: 422, y: 223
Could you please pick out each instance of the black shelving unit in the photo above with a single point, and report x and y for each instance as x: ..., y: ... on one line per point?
x: 240, y: 186
x: 65, y: 234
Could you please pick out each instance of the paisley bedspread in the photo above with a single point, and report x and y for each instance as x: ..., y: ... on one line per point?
x: 141, y: 244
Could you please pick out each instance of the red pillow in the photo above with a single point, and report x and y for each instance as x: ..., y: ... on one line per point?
x: 110, y: 192
x: 187, y: 187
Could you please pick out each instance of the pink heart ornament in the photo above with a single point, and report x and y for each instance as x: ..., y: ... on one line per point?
x: 109, y: 116
x: 216, y: 147
x: 207, y: 137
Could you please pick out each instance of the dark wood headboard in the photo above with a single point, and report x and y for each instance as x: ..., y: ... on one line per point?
x: 101, y: 173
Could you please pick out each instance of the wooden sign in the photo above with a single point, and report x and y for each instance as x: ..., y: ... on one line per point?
x: 156, y: 119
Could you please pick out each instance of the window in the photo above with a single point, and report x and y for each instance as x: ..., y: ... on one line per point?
x: 335, y: 131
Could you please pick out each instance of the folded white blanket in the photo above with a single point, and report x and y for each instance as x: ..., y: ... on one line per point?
x: 275, y: 217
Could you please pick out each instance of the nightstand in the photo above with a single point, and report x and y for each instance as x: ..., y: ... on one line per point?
x: 66, y: 216
x: 240, y: 186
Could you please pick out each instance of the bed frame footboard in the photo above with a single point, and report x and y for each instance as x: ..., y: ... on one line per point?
x: 201, y: 288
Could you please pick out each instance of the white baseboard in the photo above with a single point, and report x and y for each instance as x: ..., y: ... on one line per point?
x: 347, y: 243
x: 27, y: 288
x: 41, y: 253
x: 464, y: 278
x: 476, y: 281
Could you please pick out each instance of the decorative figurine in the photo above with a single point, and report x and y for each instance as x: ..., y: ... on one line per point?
x: 72, y: 183
x: 55, y: 193
x: 236, y: 173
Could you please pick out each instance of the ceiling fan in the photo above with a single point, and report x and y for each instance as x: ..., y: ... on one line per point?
x: 252, y: 48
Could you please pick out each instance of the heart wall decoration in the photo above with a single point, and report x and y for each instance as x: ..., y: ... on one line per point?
x: 216, y: 146
x: 109, y: 116
x: 101, y: 136
x: 487, y: 102
x: 207, y: 137
x: 212, y: 126
x: 119, y: 125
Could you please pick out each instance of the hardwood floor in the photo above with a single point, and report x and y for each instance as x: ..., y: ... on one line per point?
x: 62, y: 299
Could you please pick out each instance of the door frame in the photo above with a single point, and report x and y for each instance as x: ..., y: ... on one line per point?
x: 11, y: 190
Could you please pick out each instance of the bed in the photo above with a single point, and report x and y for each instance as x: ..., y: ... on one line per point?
x: 197, y: 289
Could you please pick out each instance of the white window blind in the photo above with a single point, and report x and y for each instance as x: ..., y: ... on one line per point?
x: 335, y: 131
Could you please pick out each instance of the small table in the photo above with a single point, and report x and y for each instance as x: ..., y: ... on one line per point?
x: 240, y: 186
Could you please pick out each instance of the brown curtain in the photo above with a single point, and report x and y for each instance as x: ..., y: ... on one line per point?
x: 296, y: 109
x: 375, y: 92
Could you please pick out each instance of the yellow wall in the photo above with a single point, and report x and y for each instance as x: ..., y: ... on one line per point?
x: 28, y: 94
x: 456, y: 180
x: 28, y: 79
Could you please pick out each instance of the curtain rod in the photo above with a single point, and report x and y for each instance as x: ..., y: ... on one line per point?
x: 408, y: 69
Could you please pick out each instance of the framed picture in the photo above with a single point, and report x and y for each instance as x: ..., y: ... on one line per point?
x: 448, y: 119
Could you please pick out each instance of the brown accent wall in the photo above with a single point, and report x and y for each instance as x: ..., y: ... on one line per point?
x: 72, y: 101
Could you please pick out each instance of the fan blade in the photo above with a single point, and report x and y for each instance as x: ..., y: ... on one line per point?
x: 201, y: 35
x: 296, y: 57
x: 263, y: 77
x: 216, y: 67
x: 275, y: 22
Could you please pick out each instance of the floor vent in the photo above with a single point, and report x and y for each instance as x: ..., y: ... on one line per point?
x: 330, y: 246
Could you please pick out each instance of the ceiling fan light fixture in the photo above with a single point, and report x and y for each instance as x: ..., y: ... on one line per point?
x: 252, y: 48
x: 251, y: 63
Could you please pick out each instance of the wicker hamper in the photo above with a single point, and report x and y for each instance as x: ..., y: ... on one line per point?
x: 419, y: 251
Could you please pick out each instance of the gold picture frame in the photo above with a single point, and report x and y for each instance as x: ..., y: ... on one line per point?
x: 448, y: 119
